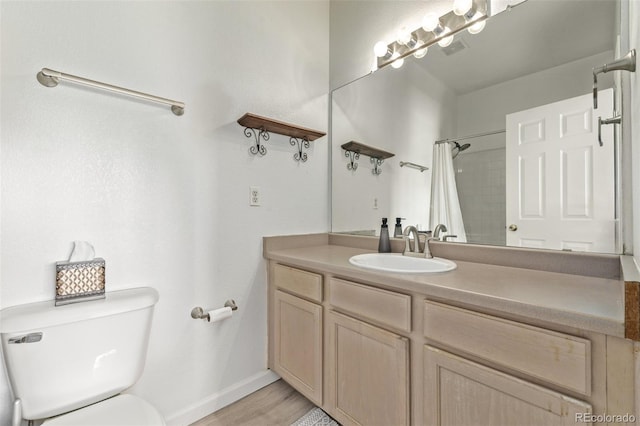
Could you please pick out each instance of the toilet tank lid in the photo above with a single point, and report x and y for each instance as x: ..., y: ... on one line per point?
x: 37, y: 315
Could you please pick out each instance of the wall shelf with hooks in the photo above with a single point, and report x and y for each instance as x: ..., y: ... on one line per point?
x: 259, y: 128
x: 354, y: 149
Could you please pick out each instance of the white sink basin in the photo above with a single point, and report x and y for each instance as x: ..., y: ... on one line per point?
x: 396, y: 262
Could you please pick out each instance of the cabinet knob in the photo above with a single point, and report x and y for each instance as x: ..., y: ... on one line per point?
x: 513, y: 227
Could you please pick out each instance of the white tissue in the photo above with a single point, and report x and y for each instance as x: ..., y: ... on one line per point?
x: 219, y: 314
x: 82, y: 251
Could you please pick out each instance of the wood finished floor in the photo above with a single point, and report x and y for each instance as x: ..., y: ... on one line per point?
x: 277, y: 404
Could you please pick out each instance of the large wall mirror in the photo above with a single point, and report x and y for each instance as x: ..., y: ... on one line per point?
x: 491, y: 95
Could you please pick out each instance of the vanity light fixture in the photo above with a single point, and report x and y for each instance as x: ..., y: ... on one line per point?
x: 431, y: 23
x: 466, y: 14
x: 447, y: 40
x: 420, y: 53
x: 397, y: 63
x: 477, y: 27
x: 410, y: 40
x: 407, y: 38
x: 465, y: 9
x: 479, y: 22
x: 382, y: 50
x: 460, y: 7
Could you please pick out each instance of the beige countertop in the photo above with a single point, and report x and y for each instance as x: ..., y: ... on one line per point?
x: 585, y: 302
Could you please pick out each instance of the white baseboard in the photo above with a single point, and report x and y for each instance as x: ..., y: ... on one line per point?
x: 221, y: 399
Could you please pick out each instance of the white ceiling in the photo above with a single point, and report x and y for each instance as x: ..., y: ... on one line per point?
x: 535, y: 35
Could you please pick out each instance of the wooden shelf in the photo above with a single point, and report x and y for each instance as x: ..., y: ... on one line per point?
x: 274, y: 126
x: 367, y: 150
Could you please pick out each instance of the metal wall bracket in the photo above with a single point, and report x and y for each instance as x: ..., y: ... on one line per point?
x: 377, y: 162
x: 302, y: 143
x: 353, y: 157
x: 258, y: 134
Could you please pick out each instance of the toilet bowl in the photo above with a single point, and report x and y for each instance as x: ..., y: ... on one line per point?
x: 68, y: 365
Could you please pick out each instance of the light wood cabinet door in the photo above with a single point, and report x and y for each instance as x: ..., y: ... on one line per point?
x: 459, y: 392
x: 298, y: 344
x: 368, y: 373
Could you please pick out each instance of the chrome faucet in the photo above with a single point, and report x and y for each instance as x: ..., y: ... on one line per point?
x: 439, y: 228
x: 407, y: 243
x: 416, y: 245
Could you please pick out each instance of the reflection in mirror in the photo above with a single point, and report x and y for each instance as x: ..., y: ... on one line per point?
x: 540, y: 53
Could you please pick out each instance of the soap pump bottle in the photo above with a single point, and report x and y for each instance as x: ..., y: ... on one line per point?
x: 384, y: 245
x: 397, y: 232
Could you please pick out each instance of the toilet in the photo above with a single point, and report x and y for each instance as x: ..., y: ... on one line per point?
x: 67, y: 365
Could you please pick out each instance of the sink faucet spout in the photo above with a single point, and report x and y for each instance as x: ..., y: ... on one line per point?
x: 407, y: 241
x: 416, y: 245
x: 439, y: 228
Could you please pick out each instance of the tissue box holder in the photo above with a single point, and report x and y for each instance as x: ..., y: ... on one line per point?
x: 80, y: 281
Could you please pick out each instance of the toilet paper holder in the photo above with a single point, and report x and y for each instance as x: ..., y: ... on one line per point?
x: 199, y: 313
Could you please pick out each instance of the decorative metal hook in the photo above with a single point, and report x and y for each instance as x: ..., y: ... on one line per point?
x: 352, y: 156
x: 302, y: 142
x: 376, y: 162
x: 257, y: 134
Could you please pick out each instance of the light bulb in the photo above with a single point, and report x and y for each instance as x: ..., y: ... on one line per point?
x: 420, y: 53
x: 446, y: 41
x: 460, y: 7
x: 404, y: 36
x: 397, y: 63
x: 382, y: 50
x: 430, y: 22
x: 477, y: 27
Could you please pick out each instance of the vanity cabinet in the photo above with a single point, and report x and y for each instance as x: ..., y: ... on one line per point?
x: 297, y: 330
x: 376, y: 355
x: 461, y: 392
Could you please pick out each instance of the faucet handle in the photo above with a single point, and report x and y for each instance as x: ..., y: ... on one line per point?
x: 444, y: 238
x: 427, y: 249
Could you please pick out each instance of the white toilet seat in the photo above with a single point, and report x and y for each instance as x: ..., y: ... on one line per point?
x: 120, y: 410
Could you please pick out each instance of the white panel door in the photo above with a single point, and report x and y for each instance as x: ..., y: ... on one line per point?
x: 560, y: 182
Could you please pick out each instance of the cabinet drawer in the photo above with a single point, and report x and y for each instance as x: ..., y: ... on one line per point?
x: 297, y: 281
x: 553, y: 357
x: 381, y: 306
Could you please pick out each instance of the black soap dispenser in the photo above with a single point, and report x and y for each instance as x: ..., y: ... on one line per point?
x: 384, y: 245
x: 397, y: 232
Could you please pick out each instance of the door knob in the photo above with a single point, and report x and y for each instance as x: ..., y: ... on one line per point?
x: 513, y: 227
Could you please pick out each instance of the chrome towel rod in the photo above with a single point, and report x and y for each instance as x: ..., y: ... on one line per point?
x: 50, y: 78
x: 413, y: 166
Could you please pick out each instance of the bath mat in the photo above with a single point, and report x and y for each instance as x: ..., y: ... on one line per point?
x: 315, y: 417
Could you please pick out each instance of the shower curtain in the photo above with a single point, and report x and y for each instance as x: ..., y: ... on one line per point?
x: 445, y: 205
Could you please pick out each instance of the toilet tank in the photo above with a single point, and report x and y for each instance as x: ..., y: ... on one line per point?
x: 74, y: 355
